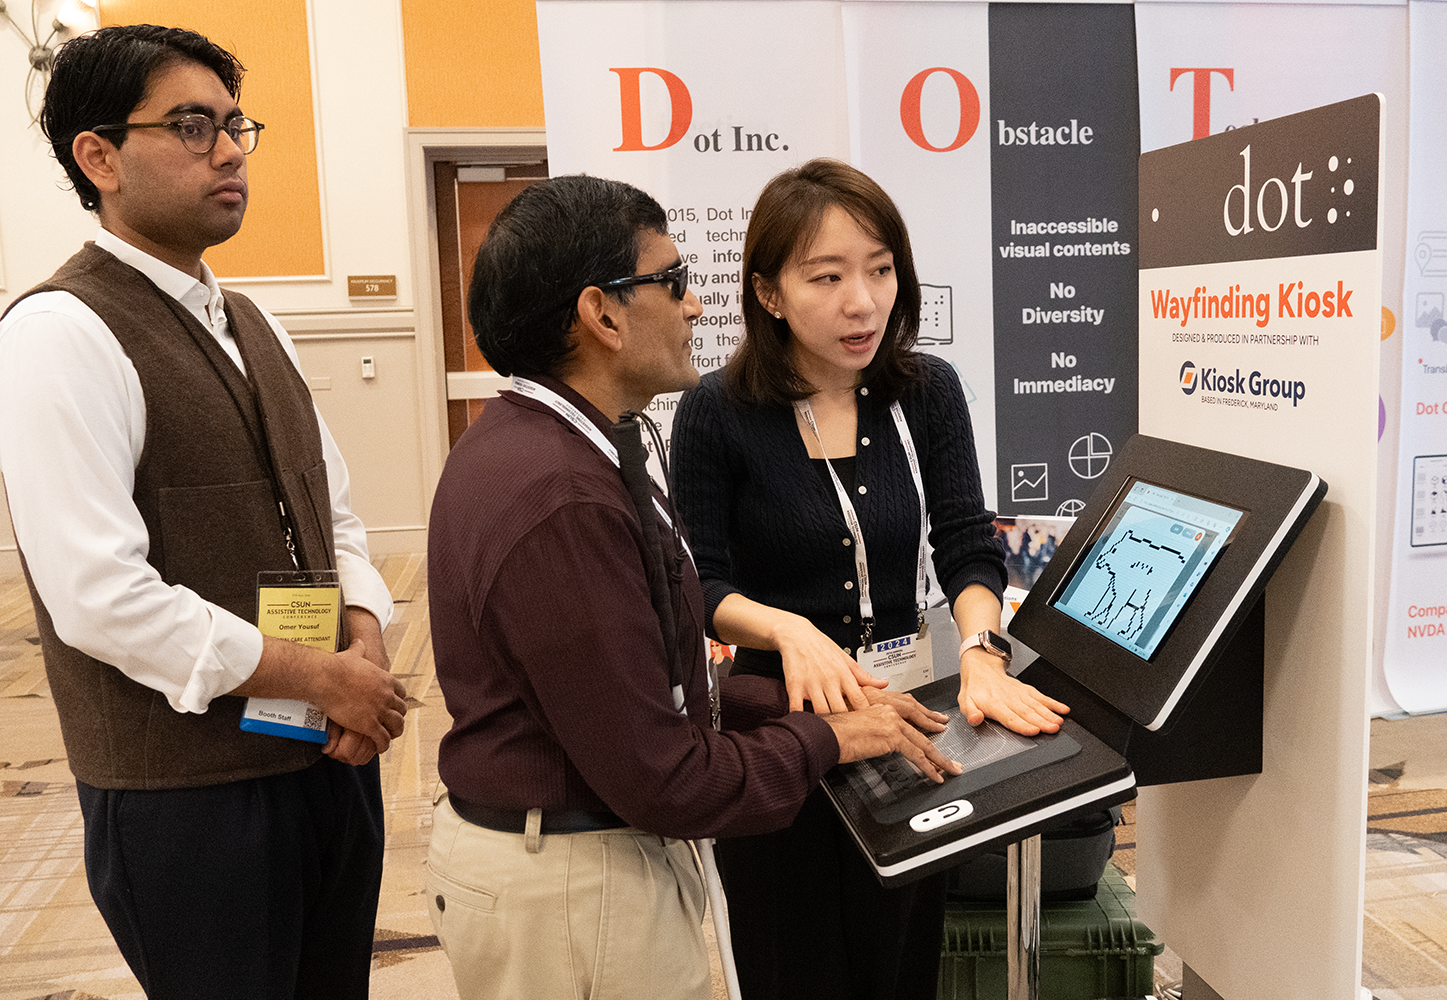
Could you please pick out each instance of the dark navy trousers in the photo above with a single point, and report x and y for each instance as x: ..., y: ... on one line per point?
x: 264, y: 889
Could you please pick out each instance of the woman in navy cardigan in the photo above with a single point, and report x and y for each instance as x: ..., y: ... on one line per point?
x: 790, y: 464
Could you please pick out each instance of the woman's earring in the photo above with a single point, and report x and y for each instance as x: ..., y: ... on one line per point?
x: 778, y: 315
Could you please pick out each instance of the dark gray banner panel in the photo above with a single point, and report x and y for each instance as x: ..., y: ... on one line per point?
x: 1065, y: 143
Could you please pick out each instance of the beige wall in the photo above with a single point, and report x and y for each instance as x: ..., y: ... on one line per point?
x: 272, y: 40
x: 348, y: 84
x: 375, y: 421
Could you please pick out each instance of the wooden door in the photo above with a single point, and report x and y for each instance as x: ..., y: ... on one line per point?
x: 466, y: 207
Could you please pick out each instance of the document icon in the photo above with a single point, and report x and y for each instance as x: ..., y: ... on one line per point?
x: 936, y: 315
x: 1030, y: 482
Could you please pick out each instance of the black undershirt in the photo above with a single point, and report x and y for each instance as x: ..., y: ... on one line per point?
x: 843, y: 468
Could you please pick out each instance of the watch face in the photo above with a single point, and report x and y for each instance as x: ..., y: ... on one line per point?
x: 990, y: 642
x: 996, y: 643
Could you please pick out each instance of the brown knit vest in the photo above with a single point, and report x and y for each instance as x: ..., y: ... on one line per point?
x: 220, y: 449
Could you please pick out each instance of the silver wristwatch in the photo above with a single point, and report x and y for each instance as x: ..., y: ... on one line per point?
x: 991, y: 642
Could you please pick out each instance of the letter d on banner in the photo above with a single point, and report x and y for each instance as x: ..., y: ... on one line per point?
x: 909, y: 109
x: 631, y: 104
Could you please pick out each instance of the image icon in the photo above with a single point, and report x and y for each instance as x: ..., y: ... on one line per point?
x: 1030, y: 481
x: 1429, y: 315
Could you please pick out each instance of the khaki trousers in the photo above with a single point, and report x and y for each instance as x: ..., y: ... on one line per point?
x: 611, y: 915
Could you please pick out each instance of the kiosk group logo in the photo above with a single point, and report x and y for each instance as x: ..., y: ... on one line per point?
x: 1216, y: 380
x: 1188, y: 378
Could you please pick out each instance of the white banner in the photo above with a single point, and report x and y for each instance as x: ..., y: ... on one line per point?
x: 698, y: 104
x: 1206, y: 68
x: 934, y: 62
x: 1416, y: 639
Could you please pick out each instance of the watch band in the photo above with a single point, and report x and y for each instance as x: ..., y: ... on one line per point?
x: 990, y: 642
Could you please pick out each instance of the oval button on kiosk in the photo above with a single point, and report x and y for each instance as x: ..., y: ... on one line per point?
x: 939, y: 816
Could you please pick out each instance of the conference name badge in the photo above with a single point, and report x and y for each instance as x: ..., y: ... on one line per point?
x: 302, y: 606
x: 906, y: 662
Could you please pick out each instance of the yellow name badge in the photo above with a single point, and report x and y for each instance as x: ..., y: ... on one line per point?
x: 309, y: 615
x: 302, y: 606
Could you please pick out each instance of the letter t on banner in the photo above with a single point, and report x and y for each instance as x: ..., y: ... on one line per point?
x: 1201, y: 94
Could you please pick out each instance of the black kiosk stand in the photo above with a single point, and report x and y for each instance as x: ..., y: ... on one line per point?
x: 1149, y: 621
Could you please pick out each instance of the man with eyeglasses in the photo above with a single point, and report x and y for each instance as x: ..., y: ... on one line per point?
x: 583, y: 751
x: 161, y: 452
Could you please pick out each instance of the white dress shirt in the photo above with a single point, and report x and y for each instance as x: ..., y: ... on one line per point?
x: 72, y: 428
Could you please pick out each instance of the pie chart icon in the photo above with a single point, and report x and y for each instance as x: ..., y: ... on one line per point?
x: 1090, y: 455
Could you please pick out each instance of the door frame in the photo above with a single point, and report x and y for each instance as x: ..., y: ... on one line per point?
x: 424, y: 147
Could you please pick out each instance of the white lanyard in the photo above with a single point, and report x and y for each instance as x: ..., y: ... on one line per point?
x: 574, y: 416
x: 851, y: 518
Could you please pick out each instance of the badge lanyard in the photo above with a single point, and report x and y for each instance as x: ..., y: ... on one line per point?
x: 851, y: 518
x: 574, y: 416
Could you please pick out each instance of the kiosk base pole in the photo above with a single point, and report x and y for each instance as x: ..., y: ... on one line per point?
x: 1022, y: 918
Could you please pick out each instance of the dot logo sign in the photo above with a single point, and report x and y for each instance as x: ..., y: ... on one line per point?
x: 1189, y: 382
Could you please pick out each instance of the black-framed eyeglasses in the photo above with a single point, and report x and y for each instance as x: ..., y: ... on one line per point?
x: 675, y: 277
x: 198, y: 132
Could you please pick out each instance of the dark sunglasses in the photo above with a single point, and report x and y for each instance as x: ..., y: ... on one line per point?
x: 675, y: 277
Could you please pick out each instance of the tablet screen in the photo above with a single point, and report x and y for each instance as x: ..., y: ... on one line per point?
x: 1155, y: 546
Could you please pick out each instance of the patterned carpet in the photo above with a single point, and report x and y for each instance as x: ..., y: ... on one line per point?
x: 54, y: 945
x: 1405, y: 923
x: 1405, y: 930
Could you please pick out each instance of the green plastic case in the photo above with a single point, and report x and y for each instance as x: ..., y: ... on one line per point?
x: 1089, y: 950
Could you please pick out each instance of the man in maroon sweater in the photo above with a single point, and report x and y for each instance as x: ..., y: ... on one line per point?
x: 581, y: 755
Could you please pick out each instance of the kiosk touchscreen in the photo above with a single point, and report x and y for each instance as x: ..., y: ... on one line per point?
x: 1142, y: 568
x: 1169, y: 557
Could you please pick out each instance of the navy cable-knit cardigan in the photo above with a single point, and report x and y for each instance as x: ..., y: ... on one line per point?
x: 764, y: 524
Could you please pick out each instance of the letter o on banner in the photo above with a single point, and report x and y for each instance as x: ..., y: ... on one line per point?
x: 909, y: 109
x: 1261, y: 205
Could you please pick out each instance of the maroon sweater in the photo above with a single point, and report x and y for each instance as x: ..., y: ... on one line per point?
x: 552, y: 661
